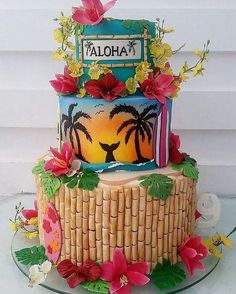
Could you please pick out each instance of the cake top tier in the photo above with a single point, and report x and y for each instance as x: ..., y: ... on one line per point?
x: 113, y: 58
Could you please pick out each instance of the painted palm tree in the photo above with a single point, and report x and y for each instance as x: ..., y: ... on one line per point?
x: 88, y: 46
x: 131, y: 45
x: 72, y: 125
x: 140, y: 124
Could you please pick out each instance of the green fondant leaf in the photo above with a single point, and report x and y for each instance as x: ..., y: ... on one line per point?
x: 159, y: 186
x: 132, y: 24
x: 80, y: 27
x: 166, y: 276
x: 38, y: 168
x: 50, y: 184
x: 88, y: 180
x: 33, y: 255
x: 73, y: 183
x: 98, y: 286
x: 189, y: 168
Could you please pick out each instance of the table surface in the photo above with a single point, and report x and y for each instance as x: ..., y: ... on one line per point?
x: 222, y: 280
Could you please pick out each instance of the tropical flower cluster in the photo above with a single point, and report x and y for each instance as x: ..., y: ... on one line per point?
x: 63, y: 163
x: 213, y: 243
x: 118, y: 273
x: 25, y: 221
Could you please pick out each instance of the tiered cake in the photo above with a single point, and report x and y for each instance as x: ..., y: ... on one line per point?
x: 118, y: 179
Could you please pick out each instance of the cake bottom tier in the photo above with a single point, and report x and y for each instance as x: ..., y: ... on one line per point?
x: 146, y: 229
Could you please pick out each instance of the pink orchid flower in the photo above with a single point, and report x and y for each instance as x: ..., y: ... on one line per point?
x: 92, y: 12
x: 63, y: 163
x: 30, y: 213
x: 121, y: 275
x: 191, y: 252
x: 159, y: 88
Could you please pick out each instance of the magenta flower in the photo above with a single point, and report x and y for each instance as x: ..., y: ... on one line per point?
x: 92, y: 12
x: 191, y: 252
x: 159, y: 88
x: 63, y: 163
x: 64, y: 84
x: 30, y: 213
x: 121, y: 275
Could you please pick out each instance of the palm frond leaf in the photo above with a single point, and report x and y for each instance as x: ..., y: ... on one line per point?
x: 147, y: 130
x: 125, y: 124
x: 70, y: 109
x: 150, y: 116
x: 128, y: 134
x: 64, y: 117
x: 124, y: 108
x: 67, y: 126
x: 148, y: 109
x: 141, y: 132
x: 79, y: 115
x: 83, y: 129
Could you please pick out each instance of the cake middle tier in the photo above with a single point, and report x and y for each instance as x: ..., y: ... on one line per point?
x: 132, y: 130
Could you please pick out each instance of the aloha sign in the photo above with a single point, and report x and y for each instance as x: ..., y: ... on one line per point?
x: 126, y: 49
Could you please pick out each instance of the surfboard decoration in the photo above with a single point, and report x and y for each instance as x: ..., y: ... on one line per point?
x: 52, y: 233
x: 161, y: 137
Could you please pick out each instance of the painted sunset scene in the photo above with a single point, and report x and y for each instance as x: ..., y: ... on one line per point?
x: 100, y: 131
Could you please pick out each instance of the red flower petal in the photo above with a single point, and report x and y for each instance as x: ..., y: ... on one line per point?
x: 119, y: 262
x: 107, y: 271
x: 137, y: 279
x: 52, y: 215
x: 46, y: 226
x: 75, y: 279
x: 66, y: 268
x: 94, y: 273
x: 115, y: 285
x: 109, y: 5
x: 124, y: 290
x: 29, y: 213
x: 141, y: 267
x: 197, y: 214
x: 164, y: 80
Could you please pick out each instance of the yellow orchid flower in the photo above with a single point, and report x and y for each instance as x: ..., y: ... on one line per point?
x: 33, y: 221
x: 182, y: 73
x: 131, y: 85
x: 76, y: 69
x: 213, y: 249
x: 168, y: 30
x: 30, y: 235
x: 82, y: 93
x: 142, y: 71
x: 59, y: 54
x: 58, y: 36
x: 198, y: 70
x: 13, y: 226
x: 225, y: 241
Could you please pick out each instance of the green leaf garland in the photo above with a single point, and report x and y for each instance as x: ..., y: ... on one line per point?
x: 38, y: 168
x: 159, y: 186
x: 33, y: 255
x: 50, y: 184
x: 88, y: 180
x: 166, y: 275
x: 189, y: 168
x: 132, y: 24
x: 98, y: 286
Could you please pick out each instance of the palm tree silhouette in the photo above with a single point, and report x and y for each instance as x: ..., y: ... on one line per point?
x: 139, y: 124
x: 131, y: 45
x: 72, y: 124
x: 88, y: 46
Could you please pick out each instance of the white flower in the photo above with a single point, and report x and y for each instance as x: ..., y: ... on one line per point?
x: 38, y: 273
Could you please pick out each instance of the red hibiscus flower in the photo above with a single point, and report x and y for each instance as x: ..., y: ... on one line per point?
x: 121, y: 275
x: 108, y: 87
x: 92, y: 12
x: 175, y: 155
x: 64, y: 84
x: 192, y: 252
x: 61, y: 164
x: 197, y: 214
x: 30, y: 213
x: 75, y: 275
x: 158, y: 88
x: 52, y: 215
x: 46, y: 226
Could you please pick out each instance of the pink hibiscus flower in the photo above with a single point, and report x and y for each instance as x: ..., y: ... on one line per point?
x: 121, y: 275
x: 192, y: 252
x: 62, y: 163
x: 64, y: 84
x: 158, y: 88
x: 92, y: 12
x: 30, y: 213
